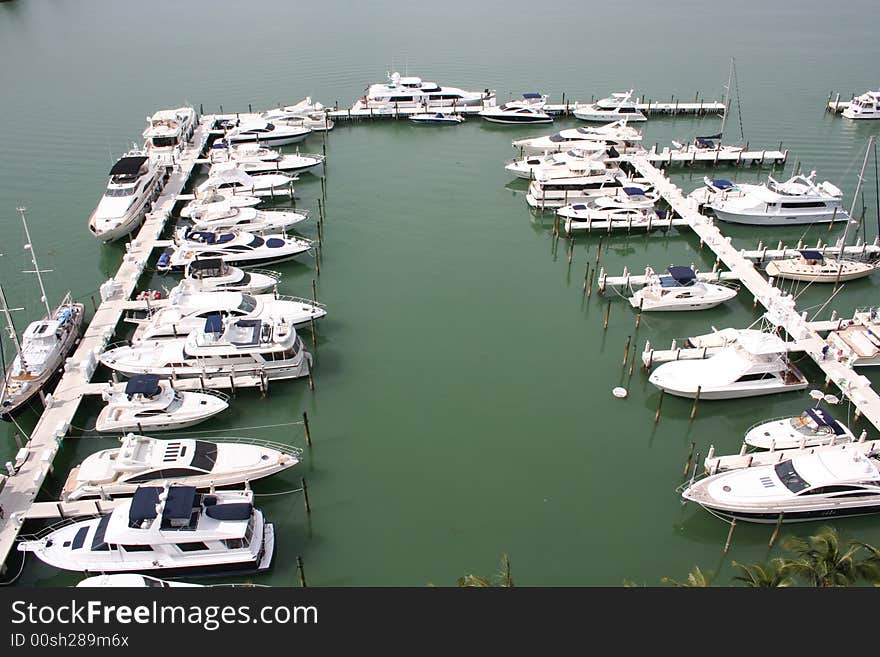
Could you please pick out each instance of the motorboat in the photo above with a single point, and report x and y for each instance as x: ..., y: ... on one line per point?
x: 559, y: 192
x: 584, y: 216
x: 798, y: 200
x: 233, y: 246
x: 813, y: 427
x: 440, y: 118
x: 215, y: 275
x: 43, y: 346
x: 269, y: 349
x: 167, y: 133
x: 708, y: 143
x: 141, y: 460
x: 254, y: 158
x: 132, y: 581
x: 40, y: 355
x: 170, y: 529
x: 680, y: 290
x: 312, y: 115
x: 865, y: 106
x: 528, y: 110
x: 251, y: 220
x: 146, y: 402
x: 627, y: 198
x: 617, y: 135
x: 717, y: 339
x: 815, y: 486
x: 543, y: 166
x: 209, y: 198
x: 752, y: 365
x: 617, y: 106
x: 266, y: 133
x: 857, y: 341
x: 135, y: 181
x: 187, y: 310
x: 230, y: 177
x: 411, y: 91
x: 811, y: 265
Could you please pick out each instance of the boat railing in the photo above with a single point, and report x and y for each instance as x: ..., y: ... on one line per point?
x: 214, y: 393
x: 284, y: 448
x: 266, y: 272
x: 55, y: 526
x: 302, y: 300
x: 772, y: 419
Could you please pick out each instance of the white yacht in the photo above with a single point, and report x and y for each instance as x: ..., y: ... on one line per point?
x: 215, y: 275
x: 753, y: 365
x: 410, y: 91
x: 135, y: 181
x: 811, y: 428
x: 233, y: 247
x: 616, y: 138
x: 230, y: 177
x: 244, y: 347
x: 209, y: 198
x: 167, y: 133
x: 528, y: 110
x: 799, y: 200
x: 187, y: 310
x: 680, y: 291
x: 628, y: 198
x: 857, y: 342
x: 814, y: 267
x: 266, y: 133
x: 584, y: 216
x: 813, y: 486
x: 866, y: 106
x: 617, y: 106
x: 145, y: 402
x: 536, y: 166
x: 254, y: 158
x: 132, y: 581
x: 312, y: 115
x: 559, y: 192
x: 250, y: 220
x: 170, y: 529
x: 141, y: 460
x: 439, y: 118
x: 40, y: 354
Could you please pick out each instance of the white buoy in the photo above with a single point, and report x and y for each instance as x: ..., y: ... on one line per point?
x: 619, y: 392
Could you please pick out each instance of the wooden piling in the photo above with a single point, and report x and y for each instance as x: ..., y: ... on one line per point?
x: 301, y: 572
x: 696, y: 401
x: 729, y: 536
x: 659, y: 406
x: 626, y: 350
x: 586, y: 273
x: 687, y: 465
x: 305, y: 488
x: 776, y: 530
x: 607, y: 314
x: 590, y: 284
x: 598, y: 251
x: 639, y: 315
x: 307, y: 429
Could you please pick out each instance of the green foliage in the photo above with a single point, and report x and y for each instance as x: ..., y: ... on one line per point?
x: 501, y: 579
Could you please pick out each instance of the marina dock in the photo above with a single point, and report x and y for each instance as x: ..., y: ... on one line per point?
x: 690, y: 156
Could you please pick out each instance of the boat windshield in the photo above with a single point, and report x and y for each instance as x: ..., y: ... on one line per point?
x: 248, y: 303
x: 789, y: 476
x: 120, y: 191
x: 164, y: 142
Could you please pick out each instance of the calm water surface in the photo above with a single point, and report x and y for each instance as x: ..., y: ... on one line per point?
x: 463, y: 400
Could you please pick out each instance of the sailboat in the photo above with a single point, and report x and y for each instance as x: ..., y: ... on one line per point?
x: 42, y: 348
x: 816, y: 267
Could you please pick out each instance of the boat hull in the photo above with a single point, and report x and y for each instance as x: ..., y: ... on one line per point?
x: 777, y: 220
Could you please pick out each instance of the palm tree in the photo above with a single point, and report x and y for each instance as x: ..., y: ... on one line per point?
x: 695, y: 579
x: 501, y: 579
x: 823, y: 561
x: 775, y: 574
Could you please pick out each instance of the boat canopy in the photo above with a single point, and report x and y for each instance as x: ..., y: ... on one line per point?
x: 721, y: 183
x: 142, y: 384
x: 176, y: 510
x: 128, y: 166
x: 811, y: 255
x: 683, y: 276
x: 532, y: 95
x: 211, y: 266
x: 824, y: 420
x: 633, y: 191
x: 214, y: 323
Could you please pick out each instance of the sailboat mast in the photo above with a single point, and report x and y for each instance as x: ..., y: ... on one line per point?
x: 726, y: 98
x: 7, y: 311
x: 856, y: 195
x: 29, y: 246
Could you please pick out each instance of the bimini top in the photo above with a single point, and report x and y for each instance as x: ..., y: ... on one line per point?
x: 633, y: 191
x: 142, y: 384
x: 177, y: 508
x: 822, y: 419
x: 721, y: 183
x: 128, y: 166
x: 682, y: 275
x: 533, y: 95
x: 206, y: 264
x: 811, y: 255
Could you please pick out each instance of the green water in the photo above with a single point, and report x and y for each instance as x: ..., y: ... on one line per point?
x: 462, y: 404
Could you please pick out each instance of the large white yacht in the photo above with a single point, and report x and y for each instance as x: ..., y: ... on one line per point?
x: 232, y: 246
x: 857, y: 341
x: 135, y: 181
x: 167, y: 133
x: 559, y: 192
x: 141, y: 460
x: 617, y: 136
x: 210, y: 198
x: 680, y: 290
x: 215, y: 275
x: 798, y: 200
x: 405, y: 91
x: 754, y: 364
x: 266, y: 133
x: 145, y: 402
x: 230, y: 177
x: 255, y: 158
x: 811, y: 428
x: 187, y: 310
x: 866, y: 106
x: 815, y: 486
x: 269, y: 349
x: 312, y: 115
x: 536, y: 166
x: 250, y: 220
x: 170, y: 529
x: 814, y: 267
x: 617, y: 106
x: 529, y: 109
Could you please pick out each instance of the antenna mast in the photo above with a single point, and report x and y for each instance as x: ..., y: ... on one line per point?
x: 36, y: 270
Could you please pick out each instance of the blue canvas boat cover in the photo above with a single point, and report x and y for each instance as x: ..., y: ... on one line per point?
x: 214, y: 323
x: 810, y: 254
x: 142, y: 384
x: 721, y: 183
x: 822, y: 419
x: 683, y: 275
x: 532, y: 95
